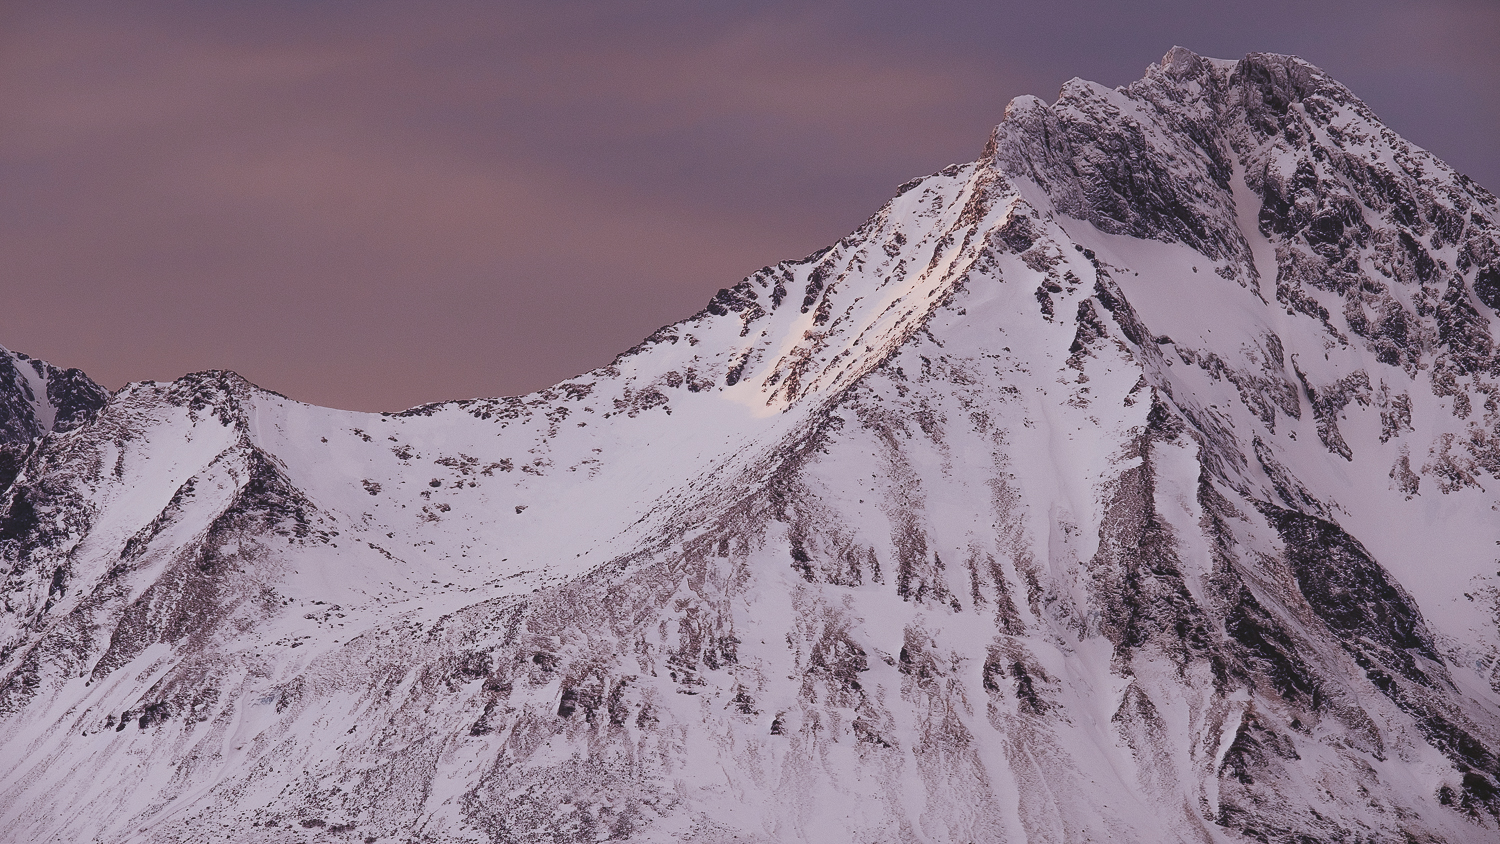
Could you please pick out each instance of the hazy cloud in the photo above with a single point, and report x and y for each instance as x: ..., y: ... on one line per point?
x: 377, y: 204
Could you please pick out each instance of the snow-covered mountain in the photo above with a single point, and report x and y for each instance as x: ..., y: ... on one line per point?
x: 1135, y: 482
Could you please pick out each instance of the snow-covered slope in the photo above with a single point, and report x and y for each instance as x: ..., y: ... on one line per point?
x: 1135, y: 482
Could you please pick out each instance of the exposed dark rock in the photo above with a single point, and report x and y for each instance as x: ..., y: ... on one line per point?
x: 1375, y: 620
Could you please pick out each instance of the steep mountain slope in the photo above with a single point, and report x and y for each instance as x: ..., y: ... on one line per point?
x: 1132, y: 483
x: 37, y: 398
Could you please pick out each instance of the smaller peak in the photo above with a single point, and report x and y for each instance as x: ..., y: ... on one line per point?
x: 222, y: 391
x: 1279, y: 80
x: 1182, y: 63
x: 1283, y: 64
x: 1022, y: 105
x: 1180, y: 57
x: 223, y: 379
x: 1079, y: 88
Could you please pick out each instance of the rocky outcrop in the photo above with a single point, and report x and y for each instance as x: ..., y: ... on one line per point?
x: 37, y: 398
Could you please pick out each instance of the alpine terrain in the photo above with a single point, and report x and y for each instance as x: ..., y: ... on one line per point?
x: 1136, y: 482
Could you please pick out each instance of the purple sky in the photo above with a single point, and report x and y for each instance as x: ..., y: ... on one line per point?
x: 372, y: 205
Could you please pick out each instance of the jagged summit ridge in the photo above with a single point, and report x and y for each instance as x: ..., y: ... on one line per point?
x: 1135, y: 481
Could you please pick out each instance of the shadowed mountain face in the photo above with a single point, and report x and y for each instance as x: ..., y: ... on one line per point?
x: 37, y: 398
x: 1135, y: 482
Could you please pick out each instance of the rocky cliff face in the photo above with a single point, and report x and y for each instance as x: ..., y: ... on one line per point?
x: 1131, y: 483
x: 37, y: 398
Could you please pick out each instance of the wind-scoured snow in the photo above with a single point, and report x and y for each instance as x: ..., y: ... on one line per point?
x: 1135, y: 482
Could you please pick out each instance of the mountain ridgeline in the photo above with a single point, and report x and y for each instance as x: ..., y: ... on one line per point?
x: 1137, y: 481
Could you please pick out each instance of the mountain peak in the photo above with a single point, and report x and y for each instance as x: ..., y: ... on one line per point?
x: 1181, y: 62
x: 1135, y: 481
